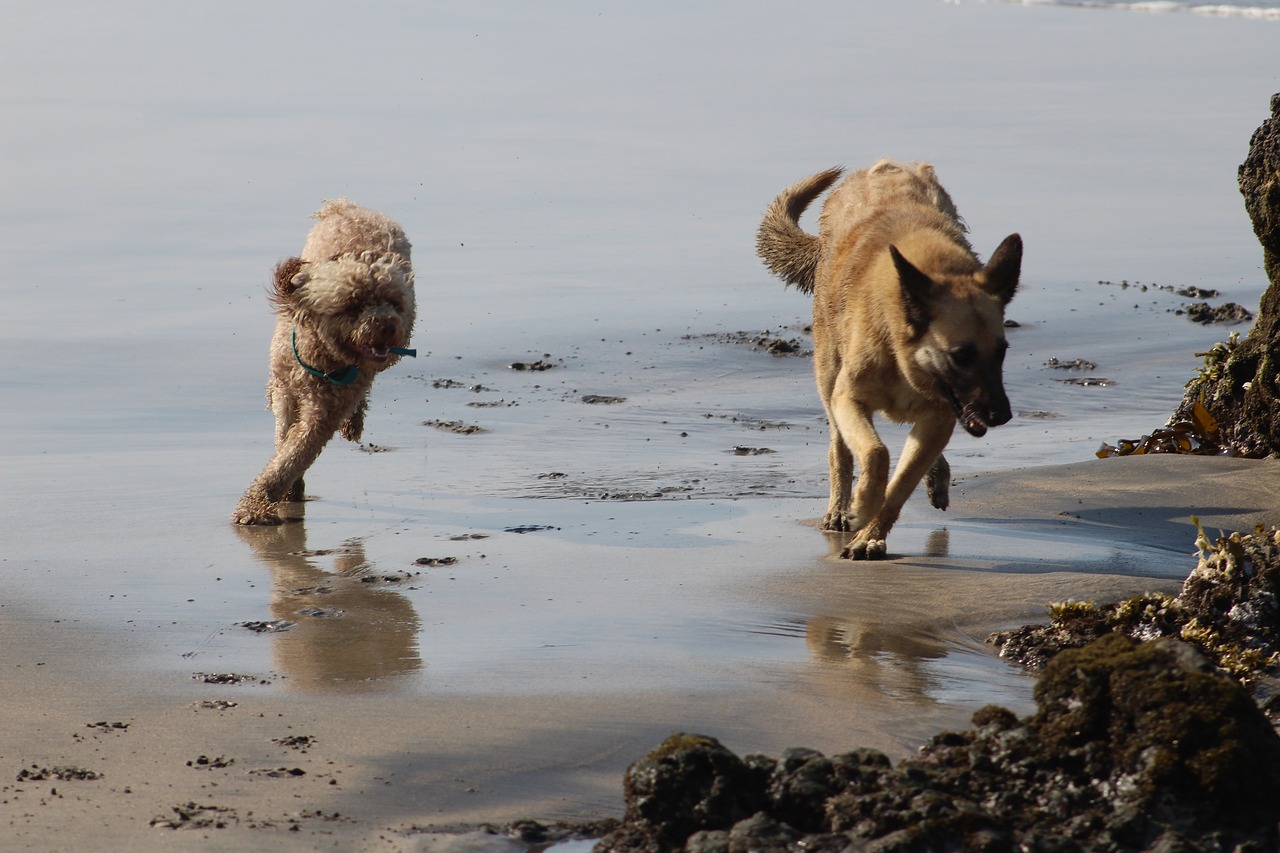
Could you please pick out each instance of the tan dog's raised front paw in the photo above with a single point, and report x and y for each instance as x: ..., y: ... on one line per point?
x: 937, y: 484
x: 255, y: 509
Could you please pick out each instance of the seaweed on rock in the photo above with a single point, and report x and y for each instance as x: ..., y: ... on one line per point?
x: 1243, y: 394
x: 1232, y: 406
x: 1134, y: 746
x: 1229, y: 608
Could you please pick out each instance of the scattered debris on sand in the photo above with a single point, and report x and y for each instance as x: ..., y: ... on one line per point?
x: 766, y: 341
x: 1070, y: 364
x: 36, y: 773
x: 1225, y: 314
x: 435, y: 562
x: 455, y: 427
x: 535, y: 366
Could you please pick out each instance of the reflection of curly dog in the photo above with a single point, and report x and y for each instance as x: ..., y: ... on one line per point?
x: 350, y: 635
x: 345, y: 309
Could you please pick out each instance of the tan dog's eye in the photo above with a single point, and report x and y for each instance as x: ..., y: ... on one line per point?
x: 964, y: 356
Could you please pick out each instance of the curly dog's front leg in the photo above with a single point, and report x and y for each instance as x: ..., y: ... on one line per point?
x: 353, y: 427
x: 282, y: 476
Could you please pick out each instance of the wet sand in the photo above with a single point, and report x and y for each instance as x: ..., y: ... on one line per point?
x: 894, y: 647
x: 491, y: 625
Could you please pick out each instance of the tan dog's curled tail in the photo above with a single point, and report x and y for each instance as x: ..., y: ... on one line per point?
x: 787, y: 250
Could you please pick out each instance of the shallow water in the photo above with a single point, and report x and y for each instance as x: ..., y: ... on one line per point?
x: 581, y: 187
x: 1264, y: 10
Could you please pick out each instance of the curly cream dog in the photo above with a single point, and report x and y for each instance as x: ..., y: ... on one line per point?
x: 345, y: 310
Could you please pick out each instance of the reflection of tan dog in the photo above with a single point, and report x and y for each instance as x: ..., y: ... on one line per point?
x: 906, y: 321
x: 345, y: 310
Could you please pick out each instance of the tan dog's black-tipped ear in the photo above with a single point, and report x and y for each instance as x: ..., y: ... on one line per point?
x: 917, y: 291
x: 1000, y: 275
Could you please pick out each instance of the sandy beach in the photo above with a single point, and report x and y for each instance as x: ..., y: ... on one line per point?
x: 276, y: 761
x: 585, y: 515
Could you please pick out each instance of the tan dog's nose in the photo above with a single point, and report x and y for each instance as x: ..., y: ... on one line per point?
x: 1000, y: 413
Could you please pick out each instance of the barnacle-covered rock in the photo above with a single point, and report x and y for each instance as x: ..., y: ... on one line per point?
x: 1134, y: 746
x: 690, y: 783
x: 1242, y: 393
x: 1229, y: 608
x: 1162, y: 733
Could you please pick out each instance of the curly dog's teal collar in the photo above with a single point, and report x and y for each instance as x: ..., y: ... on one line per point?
x: 343, y: 376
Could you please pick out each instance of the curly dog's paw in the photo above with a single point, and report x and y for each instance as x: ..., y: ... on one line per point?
x: 243, y: 517
x: 255, y: 510
x: 295, y: 492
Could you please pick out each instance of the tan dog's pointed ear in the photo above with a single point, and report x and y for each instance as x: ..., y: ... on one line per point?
x: 917, y: 292
x: 1000, y: 275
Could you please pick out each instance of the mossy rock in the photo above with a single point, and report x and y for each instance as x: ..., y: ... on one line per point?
x: 1134, y: 746
x: 689, y: 783
x: 1173, y: 737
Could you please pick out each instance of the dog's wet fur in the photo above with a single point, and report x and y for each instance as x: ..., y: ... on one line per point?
x: 342, y: 307
x: 907, y: 322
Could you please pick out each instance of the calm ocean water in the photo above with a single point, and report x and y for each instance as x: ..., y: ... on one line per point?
x: 582, y: 181
x: 1269, y: 11
x: 559, y: 171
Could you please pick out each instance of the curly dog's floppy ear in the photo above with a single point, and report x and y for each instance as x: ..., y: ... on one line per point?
x: 290, y: 275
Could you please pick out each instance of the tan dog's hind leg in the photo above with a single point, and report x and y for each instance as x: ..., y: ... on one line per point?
x: 920, y: 454
x: 851, y: 423
x: 840, y: 475
x: 839, y: 457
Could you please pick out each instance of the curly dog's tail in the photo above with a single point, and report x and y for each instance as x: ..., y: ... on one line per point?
x: 789, y: 252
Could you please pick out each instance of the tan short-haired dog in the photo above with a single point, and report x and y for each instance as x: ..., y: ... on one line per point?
x: 345, y: 309
x: 906, y: 321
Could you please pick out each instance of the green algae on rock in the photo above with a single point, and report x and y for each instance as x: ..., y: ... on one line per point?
x: 1243, y: 395
x: 1232, y: 406
x: 1173, y: 730
x: 1134, y: 746
x: 690, y: 783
